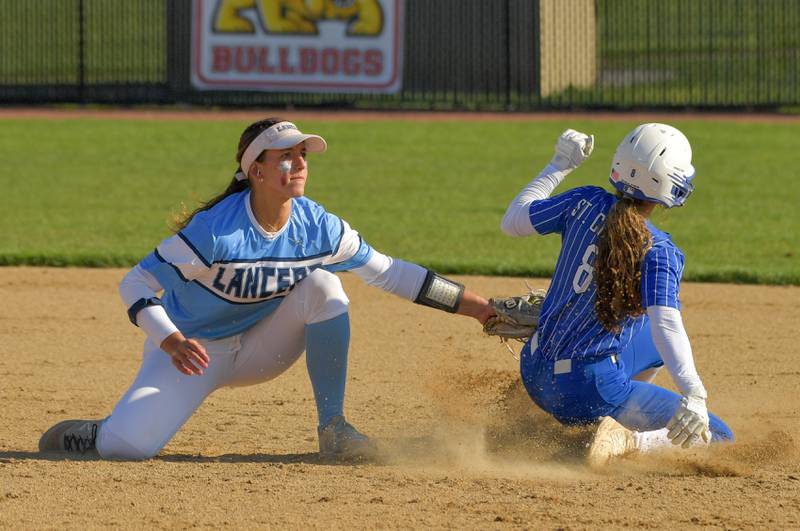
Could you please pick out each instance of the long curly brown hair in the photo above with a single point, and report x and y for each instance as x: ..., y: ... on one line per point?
x: 235, y: 186
x: 622, y: 246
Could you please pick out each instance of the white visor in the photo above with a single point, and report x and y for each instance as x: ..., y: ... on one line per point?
x: 282, y: 135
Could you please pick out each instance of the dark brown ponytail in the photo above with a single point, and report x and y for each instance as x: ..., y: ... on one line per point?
x: 235, y: 186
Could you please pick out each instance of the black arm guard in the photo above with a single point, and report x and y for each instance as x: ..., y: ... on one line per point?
x: 440, y: 293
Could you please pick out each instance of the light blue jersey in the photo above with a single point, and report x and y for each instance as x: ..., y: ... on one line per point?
x: 568, y: 325
x: 223, y: 273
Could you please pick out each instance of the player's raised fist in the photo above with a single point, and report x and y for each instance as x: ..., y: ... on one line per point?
x: 572, y: 148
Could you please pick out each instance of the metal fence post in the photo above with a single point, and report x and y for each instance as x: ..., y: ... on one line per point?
x: 508, y: 55
x: 82, y: 50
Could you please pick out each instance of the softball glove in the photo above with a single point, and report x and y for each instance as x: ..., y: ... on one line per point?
x: 517, y: 317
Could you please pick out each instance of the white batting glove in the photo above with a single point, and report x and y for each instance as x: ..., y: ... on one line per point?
x: 689, y: 425
x: 572, y: 148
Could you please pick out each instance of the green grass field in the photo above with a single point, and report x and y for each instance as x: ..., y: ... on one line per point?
x: 101, y: 193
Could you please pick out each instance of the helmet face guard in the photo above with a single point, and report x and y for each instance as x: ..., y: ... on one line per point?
x: 682, y: 186
x: 653, y: 163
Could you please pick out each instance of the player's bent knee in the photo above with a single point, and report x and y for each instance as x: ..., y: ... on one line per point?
x: 323, y: 295
x: 324, y: 281
x: 112, y: 446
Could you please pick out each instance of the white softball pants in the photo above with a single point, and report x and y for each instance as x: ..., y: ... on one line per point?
x: 162, y: 399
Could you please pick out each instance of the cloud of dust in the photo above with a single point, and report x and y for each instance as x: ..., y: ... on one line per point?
x: 487, y: 425
x: 756, y: 445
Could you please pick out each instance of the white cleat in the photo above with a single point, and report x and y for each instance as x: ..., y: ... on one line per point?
x: 611, y: 440
x: 72, y: 437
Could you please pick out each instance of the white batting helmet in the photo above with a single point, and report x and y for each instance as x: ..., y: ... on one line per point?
x: 654, y: 163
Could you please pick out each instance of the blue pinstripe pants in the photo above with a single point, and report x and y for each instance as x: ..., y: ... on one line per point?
x: 603, y: 387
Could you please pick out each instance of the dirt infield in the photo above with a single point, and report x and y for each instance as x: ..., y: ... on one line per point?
x: 464, y: 446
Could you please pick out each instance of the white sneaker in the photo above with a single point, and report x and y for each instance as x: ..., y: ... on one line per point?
x: 71, y: 436
x: 338, y: 439
x: 612, y: 439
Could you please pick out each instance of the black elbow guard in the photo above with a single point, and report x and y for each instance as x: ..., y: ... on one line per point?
x: 440, y: 293
x: 140, y: 305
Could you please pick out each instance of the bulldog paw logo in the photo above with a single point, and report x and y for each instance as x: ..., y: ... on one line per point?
x: 299, y: 17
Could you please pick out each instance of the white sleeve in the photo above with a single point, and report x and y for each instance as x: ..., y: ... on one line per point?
x: 181, y: 254
x: 393, y: 275
x: 139, y: 284
x: 669, y: 336
x: 349, y: 245
x: 517, y: 221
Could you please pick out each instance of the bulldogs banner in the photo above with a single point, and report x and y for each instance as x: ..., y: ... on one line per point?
x: 297, y: 45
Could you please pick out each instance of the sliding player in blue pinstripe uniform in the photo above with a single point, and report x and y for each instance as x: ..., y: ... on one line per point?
x: 612, y: 317
x: 248, y: 286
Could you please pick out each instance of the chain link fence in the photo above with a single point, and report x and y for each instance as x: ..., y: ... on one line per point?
x: 458, y: 54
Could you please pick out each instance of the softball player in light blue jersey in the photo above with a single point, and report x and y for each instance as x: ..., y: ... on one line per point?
x: 612, y: 317
x: 248, y: 285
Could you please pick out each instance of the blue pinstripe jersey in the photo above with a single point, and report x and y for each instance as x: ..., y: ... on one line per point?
x: 223, y: 273
x: 568, y: 324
